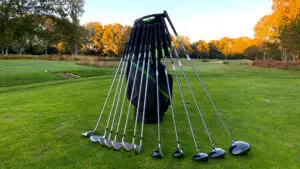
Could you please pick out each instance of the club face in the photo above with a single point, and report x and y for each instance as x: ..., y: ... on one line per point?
x: 88, y: 133
x: 239, y: 148
x: 108, y: 143
x: 127, y: 146
x: 101, y: 141
x: 94, y: 138
x: 178, y: 154
x: 137, y: 148
x: 200, y: 157
x: 157, y: 154
x: 116, y: 145
x: 217, y: 153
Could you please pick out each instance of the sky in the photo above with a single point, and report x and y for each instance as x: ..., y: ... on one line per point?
x: 196, y: 19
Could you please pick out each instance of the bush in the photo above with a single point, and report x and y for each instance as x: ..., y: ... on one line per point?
x: 205, y: 60
x: 277, y: 64
x: 225, y: 62
x: 106, y: 64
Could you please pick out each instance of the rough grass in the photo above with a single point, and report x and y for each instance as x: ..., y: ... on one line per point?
x: 41, y: 122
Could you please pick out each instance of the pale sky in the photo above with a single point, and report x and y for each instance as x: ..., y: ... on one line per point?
x: 197, y: 19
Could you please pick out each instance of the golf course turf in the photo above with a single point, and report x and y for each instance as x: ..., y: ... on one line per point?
x: 42, y: 115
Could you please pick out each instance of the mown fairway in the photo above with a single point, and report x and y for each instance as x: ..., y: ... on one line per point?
x: 42, y: 115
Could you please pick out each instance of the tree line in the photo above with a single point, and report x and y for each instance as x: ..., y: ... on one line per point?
x: 53, y: 27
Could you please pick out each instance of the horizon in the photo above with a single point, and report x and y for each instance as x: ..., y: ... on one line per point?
x: 208, y: 20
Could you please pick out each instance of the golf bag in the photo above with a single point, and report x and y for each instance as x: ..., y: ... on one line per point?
x: 151, y: 104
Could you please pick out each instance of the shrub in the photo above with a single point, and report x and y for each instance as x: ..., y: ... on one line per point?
x: 205, y: 60
x: 225, y: 62
x: 277, y: 64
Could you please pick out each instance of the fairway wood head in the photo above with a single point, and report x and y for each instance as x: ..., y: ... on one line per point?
x: 94, y: 138
x: 108, y: 143
x: 127, y: 146
x: 88, y: 133
x: 178, y: 154
x: 101, y: 141
x: 239, y: 148
x: 137, y: 148
x: 157, y: 154
x: 116, y: 145
x: 217, y: 153
x: 200, y: 157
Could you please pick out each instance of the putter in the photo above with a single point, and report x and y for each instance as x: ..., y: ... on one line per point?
x: 216, y: 152
x: 158, y: 152
x: 178, y: 153
x: 128, y: 146
x: 237, y: 147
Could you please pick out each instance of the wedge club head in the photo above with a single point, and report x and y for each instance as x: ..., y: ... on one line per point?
x: 178, y: 154
x: 127, y: 146
x: 116, y: 145
x: 239, y: 148
x: 108, y: 143
x: 200, y: 157
x: 101, y: 141
x: 157, y: 154
x: 88, y: 133
x: 217, y: 153
x: 137, y: 148
x: 94, y: 138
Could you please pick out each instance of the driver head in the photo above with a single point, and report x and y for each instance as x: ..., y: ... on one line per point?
x: 239, y: 148
x: 101, y: 141
x: 116, y: 145
x: 127, y: 146
x: 200, y: 157
x: 94, y: 138
x: 137, y: 148
x: 217, y: 153
x: 88, y: 133
x: 108, y: 143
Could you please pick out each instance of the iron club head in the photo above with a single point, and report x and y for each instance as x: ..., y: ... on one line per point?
x: 108, y: 143
x: 127, y: 146
x: 217, y: 153
x: 101, y: 141
x: 88, y: 133
x: 94, y: 138
x: 239, y: 148
x: 200, y: 157
x: 178, y: 154
x: 157, y: 154
x: 116, y: 145
x: 137, y: 148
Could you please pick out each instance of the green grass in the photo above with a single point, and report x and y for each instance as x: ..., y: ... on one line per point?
x: 41, y: 121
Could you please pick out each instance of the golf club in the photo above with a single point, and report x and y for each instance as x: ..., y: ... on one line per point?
x: 216, y: 152
x: 237, y: 147
x: 158, y: 152
x: 128, y: 146
x: 93, y: 137
x: 198, y: 156
x: 141, y: 85
x: 178, y: 153
x: 138, y: 148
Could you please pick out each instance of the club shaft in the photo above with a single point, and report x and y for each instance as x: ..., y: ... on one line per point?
x: 198, y: 77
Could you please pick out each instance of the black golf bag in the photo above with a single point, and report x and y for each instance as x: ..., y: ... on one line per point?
x: 151, y: 99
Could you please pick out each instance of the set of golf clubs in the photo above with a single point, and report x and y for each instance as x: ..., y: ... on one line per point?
x: 153, y: 32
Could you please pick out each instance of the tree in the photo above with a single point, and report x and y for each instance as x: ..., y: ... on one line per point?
x: 95, y: 32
